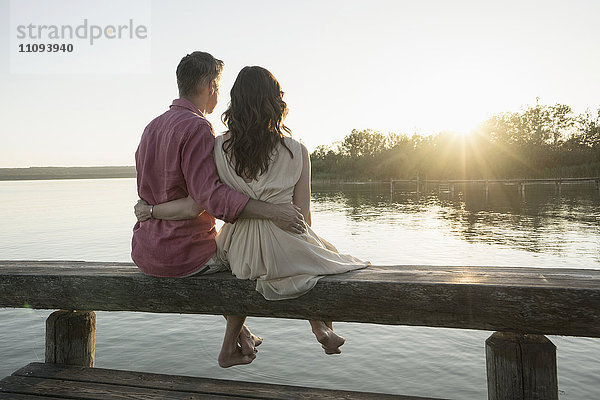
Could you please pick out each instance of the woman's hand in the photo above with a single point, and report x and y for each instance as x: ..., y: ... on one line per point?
x: 142, y: 211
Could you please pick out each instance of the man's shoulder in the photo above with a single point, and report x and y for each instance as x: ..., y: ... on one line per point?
x: 181, y: 122
x: 191, y: 121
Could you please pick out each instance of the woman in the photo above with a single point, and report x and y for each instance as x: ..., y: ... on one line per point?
x: 255, y: 157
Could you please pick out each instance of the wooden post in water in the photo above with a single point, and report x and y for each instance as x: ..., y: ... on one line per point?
x: 521, y: 367
x: 71, y: 338
x: 418, y: 185
x: 487, y: 190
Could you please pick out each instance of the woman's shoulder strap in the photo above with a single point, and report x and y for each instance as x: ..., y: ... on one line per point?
x: 294, y: 146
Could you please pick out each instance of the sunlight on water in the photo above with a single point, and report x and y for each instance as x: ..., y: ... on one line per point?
x: 544, y: 229
x: 93, y: 219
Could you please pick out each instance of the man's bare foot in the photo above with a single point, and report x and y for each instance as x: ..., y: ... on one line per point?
x: 229, y: 359
x: 330, y: 341
x: 248, y: 341
x: 330, y: 351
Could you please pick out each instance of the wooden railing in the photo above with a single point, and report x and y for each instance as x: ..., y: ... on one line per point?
x: 447, y: 185
x: 521, y: 304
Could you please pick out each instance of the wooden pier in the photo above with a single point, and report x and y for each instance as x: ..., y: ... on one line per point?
x: 520, y: 304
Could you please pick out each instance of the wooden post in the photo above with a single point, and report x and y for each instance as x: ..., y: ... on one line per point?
x: 521, y: 367
x: 487, y: 190
x: 418, y: 185
x: 71, y: 338
x: 391, y: 189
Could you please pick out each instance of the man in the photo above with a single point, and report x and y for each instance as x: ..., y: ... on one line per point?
x: 175, y: 160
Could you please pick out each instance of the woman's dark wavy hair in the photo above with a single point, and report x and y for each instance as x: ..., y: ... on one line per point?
x: 254, y: 120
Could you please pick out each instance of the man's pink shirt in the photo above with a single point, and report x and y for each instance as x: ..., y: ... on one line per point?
x: 174, y: 160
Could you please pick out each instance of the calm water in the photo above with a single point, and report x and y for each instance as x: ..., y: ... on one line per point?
x: 92, y: 219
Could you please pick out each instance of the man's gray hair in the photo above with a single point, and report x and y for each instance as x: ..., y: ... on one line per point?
x: 197, y: 71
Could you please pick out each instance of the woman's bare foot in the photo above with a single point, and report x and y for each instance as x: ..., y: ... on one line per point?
x: 330, y: 341
x: 236, y: 357
x: 248, y: 341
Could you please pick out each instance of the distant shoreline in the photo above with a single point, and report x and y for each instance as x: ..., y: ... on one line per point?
x: 52, y: 173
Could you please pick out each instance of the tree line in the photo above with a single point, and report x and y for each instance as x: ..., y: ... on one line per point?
x: 539, y: 141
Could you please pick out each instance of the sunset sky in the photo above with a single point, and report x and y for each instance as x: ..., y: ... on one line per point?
x: 401, y: 66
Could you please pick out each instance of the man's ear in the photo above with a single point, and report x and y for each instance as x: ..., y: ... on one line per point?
x: 212, y: 88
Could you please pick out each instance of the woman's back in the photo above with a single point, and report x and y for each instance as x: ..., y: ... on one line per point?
x: 276, y: 185
x: 284, y: 265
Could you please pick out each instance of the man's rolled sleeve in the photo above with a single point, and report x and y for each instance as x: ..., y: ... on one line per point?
x: 200, y: 172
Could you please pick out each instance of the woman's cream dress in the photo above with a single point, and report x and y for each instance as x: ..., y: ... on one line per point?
x: 284, y: 265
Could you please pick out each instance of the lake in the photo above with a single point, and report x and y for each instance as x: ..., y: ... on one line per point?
x: 92, y: 220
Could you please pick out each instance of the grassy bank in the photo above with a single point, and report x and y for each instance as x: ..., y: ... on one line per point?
x: 44, y: 173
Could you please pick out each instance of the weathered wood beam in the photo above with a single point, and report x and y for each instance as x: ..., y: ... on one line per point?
x: 529, y: 300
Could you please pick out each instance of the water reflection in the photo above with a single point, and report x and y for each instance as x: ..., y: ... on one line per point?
x: 543, y: 230
x: 544, y: 220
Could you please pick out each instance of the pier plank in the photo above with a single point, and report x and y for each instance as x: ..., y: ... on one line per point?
x: 16, y: 396
x: 510, y: 299
x: 58, y: 379
x: 93, y: 391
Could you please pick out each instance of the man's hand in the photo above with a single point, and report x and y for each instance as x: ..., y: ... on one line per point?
x: 288, y: 217
x: 142, y: 210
